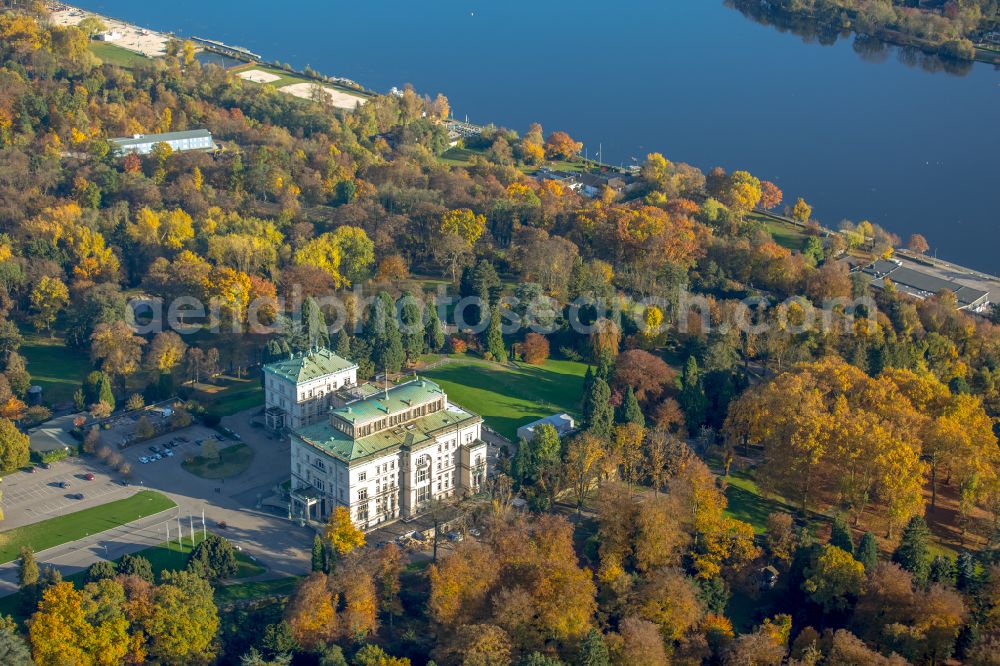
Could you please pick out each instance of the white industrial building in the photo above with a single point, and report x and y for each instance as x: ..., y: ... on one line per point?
x: 143, y: 144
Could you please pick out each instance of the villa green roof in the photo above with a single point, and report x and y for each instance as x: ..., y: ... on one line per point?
x: 328, y: 439
x: 397, y: 399
x: 308, y: 366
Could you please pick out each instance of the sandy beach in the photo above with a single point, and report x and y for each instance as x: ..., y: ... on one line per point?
x: 147, y: 42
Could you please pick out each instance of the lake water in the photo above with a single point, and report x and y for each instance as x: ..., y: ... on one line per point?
x: 860, y: 135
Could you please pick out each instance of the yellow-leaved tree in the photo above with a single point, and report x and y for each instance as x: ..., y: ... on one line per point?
x: 343, y: 536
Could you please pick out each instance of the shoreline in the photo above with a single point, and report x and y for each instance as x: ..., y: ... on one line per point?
x: 251, y: 65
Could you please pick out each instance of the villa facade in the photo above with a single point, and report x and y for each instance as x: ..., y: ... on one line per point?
x: 384, y: 452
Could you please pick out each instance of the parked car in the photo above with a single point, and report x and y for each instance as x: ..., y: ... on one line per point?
x: 143, y: 459
x: 157, y: 456
x: 182, y: 439
x: 455, y: 536
x: 168, y: 454
x: 475, y: 532
x: 63, y: 484
x: 154, y: 450
x: 77, y: 496
x: 32, y: 469
x: 89, y: 477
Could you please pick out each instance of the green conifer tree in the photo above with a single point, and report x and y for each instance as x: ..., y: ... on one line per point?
x: 631, y: 412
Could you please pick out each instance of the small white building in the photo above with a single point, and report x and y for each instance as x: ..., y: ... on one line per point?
x: 563, y: 423
x: 387, y: 453
x: 143, y: 144
x: 109, y: 36
x: 299, y: 390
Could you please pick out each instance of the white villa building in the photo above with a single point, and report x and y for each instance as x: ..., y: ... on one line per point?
x: 384, y: 452
x: 298, y: 391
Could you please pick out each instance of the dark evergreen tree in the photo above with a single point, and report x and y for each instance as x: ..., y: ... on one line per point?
x: 942, y: 570
x: 314, y: 325
x: 965, y: 572
x: 911, y: 554
x: 433, y: 331
x: 100, y: 570
x: 343, y: 344
x: 630, y: 411
x: 136, y: 565
x: 840, y: 535
x: 482, y: 283
x: 494, y: 337
x: 598, y: 414
x: 104, y: 392
x: 411, y: 326
x: 593, y: 650
x: 278, y: 640
x: 318, y: 555
x: 382, y: 333
x: 868, y: 551
x: 214, y: 558
x: 692, y: 398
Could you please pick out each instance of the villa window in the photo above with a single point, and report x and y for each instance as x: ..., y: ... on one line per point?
x: 363, y: 476
x: 422, y: 474
x: 363, y: 494
x: 423, y: 494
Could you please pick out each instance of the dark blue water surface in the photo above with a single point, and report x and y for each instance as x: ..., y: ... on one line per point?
x: 860, y: 136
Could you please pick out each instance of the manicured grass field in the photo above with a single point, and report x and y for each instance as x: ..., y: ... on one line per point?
x: 72, y: 526
x: 784, y: 234
x: 58, y: 369
x: 116, y: 55
x: 243, y: 591
x: 230, y: 396
x: 510, y: 397
x: 232, y: 461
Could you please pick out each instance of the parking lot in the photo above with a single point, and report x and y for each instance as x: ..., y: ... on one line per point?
x: 231, y: 506
x: 28, y: 498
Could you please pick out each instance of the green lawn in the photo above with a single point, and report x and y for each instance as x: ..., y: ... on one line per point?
x: 58, y: 369
x: 244, y: 591
x: 232, y: 460
x: 508, y: 398
x: 70, y: 527
x: 784, y: 234
x: 230, y: 396
x: 116, y: 55
x: 169, y: 556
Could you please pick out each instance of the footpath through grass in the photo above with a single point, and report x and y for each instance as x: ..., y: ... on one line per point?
x: 53, y: 366
x: 506, y: 397
x: 72, y: 526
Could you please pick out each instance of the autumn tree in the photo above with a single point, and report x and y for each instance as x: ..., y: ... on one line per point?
x: 311, y: 612
x: 117, y: 348
x: 559, y: 145
x: 802, y: 211
x: 535, y: 349
x: 771, y: 195
x: 834, y: 579
x: 917, y: 244
x: 48, y: 298
x: 340, y: 531
x: 184, y: 619
x: 13, y: 446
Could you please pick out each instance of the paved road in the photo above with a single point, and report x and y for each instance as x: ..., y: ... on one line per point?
x: 280, y: 545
